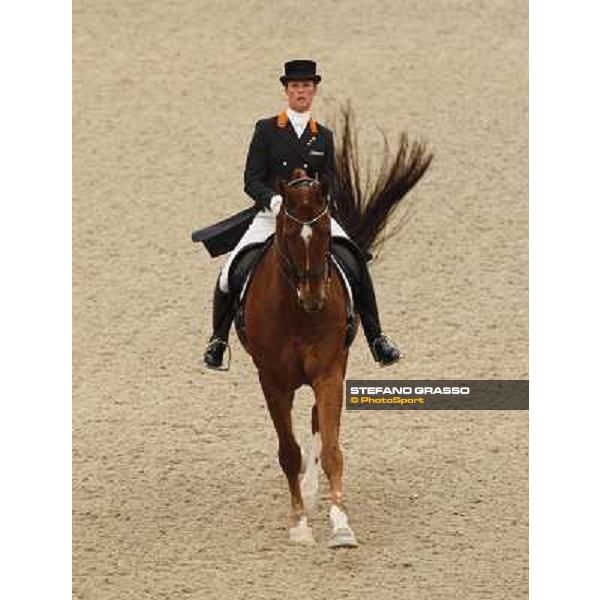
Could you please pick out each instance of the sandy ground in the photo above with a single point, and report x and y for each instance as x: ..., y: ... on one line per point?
x: 177, y: 490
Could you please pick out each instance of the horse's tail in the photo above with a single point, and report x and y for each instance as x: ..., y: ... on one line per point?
x: 365, y: 210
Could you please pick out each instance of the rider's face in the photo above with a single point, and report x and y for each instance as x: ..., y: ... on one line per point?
x: 300, y: 94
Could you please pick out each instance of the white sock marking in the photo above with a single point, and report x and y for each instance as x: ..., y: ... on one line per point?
x: 301, y: 533
x: 338, y: 517
x: 309, y: 484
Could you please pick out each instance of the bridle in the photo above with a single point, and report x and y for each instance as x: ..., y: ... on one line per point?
x: 299, y: 277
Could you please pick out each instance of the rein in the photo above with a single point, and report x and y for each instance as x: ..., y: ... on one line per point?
x: 306, y: 274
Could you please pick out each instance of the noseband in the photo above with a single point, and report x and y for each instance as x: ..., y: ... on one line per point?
x: 306, y: 274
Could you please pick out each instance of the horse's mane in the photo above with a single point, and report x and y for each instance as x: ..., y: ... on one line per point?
x: 365, y: 210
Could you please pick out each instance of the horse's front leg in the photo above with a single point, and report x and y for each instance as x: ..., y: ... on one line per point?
x: 279, y: 403
x: 329, y: 396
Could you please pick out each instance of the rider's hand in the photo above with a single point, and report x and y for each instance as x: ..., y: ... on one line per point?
x: 275, y: 204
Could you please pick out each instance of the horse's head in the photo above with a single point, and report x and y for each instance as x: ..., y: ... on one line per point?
x: 304, y: 238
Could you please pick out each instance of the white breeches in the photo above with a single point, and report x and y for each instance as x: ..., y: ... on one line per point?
x: 262, y: 226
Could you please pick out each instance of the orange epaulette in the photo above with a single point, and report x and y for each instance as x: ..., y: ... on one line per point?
x: 282, y: 119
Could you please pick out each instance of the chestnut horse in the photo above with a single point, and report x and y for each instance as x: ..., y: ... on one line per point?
x: 295, y: 316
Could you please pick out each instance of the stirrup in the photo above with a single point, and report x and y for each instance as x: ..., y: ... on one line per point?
x: 221, y: 367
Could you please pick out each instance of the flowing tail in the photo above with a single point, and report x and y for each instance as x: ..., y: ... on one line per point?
x: 365, y: 210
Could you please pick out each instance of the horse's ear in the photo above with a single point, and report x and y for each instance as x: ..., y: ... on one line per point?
x: 281, y: 187
x: 324, y: 183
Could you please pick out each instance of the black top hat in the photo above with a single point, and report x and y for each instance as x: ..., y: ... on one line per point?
x: 296, y: 70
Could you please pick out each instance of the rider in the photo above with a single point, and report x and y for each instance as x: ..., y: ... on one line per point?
x: 281, y: 144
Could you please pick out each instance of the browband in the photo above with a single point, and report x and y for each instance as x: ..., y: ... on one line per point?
x: 300, y: 180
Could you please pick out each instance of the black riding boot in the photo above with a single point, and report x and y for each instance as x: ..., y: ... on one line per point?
x: 223, y: 314
x: 382, y: 348
x: 352, y: 258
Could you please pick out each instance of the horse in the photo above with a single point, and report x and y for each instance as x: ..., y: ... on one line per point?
x: 295, y: 315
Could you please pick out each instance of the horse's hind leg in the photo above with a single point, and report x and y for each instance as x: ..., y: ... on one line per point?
x: 309, y: 482
x: 329, y: 394
x: 290, y: 458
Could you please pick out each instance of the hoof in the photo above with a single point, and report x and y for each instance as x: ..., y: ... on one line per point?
x: 302, y: 534
x: 343, y: 538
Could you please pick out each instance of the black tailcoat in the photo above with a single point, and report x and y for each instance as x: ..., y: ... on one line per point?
x: 275, y: 151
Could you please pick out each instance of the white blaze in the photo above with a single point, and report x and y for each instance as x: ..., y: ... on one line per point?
x: 306, y: 234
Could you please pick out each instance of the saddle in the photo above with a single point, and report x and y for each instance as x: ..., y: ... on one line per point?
x: 243, y: 265
x: 241, y: 271
x: 344, y: 258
